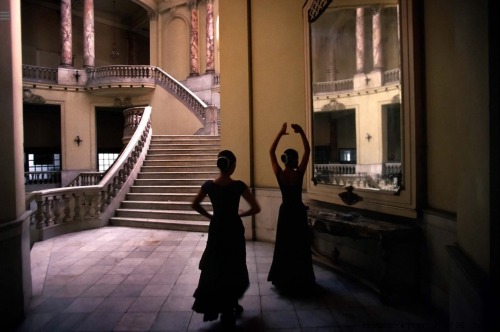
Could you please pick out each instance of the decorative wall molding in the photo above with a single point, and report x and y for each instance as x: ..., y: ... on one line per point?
x: 31, y: 98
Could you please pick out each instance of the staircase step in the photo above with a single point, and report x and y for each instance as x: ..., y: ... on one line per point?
x: 165, y: 189
x: 173, y: 171
x: 161, y: 197
x: 168, y: 224
x: 180, y: 168
x: 176, y: 175
x: 169, y: 182
x: 183, y: 146
x: 182, y: 152
x: 185, y: 138
x: 209, y: 157
x: 160, y: 214
x: 163, y: 206
x: 180, y: 162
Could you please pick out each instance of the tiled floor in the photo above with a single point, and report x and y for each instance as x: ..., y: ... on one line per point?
x: 129, y: 279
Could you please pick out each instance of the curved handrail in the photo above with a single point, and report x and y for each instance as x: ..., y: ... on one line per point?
x: 187, y: 96
x: 146, y: 74
x: 84, y: 207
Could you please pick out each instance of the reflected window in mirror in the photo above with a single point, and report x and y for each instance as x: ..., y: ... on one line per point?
x: 360, y: 116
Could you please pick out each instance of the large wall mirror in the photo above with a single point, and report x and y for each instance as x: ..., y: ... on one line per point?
x: 362, y: 103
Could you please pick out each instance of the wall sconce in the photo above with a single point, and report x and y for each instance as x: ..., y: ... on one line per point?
x: 77, y: 75
x: 78, y: 140
x: 368, y: 137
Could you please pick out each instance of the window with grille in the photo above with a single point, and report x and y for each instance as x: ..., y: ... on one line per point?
x: 105, y: 160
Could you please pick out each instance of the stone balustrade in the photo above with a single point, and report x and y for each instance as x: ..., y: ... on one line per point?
x: 389, y: 77
x: 39, y: 74
x: 333, y: 86
x: 42, y: 177
x: 86, y: 179
x: 78, y: 207
x: 392, y: 76
x: 350, y: 175
x: 123, y: 75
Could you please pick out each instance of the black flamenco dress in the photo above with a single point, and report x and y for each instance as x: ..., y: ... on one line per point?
x: 224, y: 275
x: 292, y: 269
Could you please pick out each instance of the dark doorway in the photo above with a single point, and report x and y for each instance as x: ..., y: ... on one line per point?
x: 391, y: 118
x: 335, y: 137
x: 109, y: 133
x: 42, y: 144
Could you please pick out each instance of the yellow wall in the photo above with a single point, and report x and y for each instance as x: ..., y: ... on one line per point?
x: 77, y: 118
x: 278, y: 79
x: 276, y: 93
x: 171, y: 117
x: 174, y: 46
x: 441, y: 104
x: 175, y: 58
x: 235, y: 88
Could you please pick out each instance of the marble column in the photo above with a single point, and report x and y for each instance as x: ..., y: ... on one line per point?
x: 66, y: 34
x: 88, y: 34
x: 332, y: 46
x: 377, y: 39
x: 15, y: 262
x: 154, y: 43
x: 210, y: 37
x: 360, y: 41
x: 193, y: 46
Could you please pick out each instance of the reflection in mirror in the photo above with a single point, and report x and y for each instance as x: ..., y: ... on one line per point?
x: 356, y: 91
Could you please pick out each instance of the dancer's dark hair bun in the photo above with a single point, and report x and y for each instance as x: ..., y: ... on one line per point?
x: 225, y: 160
x: 289, y: 155
x: 223, y: 163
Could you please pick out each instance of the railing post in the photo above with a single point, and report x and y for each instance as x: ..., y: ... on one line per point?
x: 40, y: 223
x: 57, y: 210
x: 87, y: 200
x: 103, y: 201
x: 77, y: 216
x: 211, y: 127
x: 48, y: 211
x: 67, y: 209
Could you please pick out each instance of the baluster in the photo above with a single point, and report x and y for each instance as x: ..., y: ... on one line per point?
x: 94, y: 203
x: 67, y: 209
x: 119, y: 179
x: 87, y: 201
x: 103, y: 202
x: 57, y: 210
x: 124, y: 172
x: 116, y: 184
x: 109, y: 193
x: 77, y: 216
x: 39, y: 216
x: 49, y: 216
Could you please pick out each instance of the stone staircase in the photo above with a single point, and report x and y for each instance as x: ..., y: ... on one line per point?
x: 173, y: 171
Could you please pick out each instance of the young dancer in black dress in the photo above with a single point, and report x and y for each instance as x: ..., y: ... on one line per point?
x: 224, y: 275
x: 291, y: 269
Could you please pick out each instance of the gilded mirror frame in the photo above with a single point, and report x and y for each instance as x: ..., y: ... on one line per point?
x: 403, y: 202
